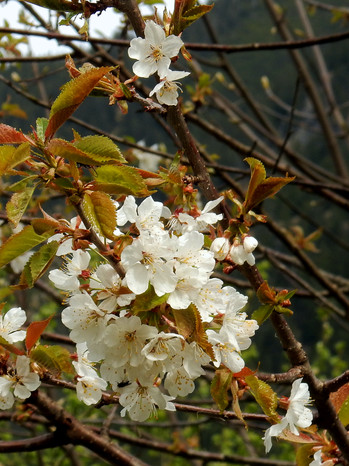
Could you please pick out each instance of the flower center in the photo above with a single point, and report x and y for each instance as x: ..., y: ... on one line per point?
x: 156, y: 53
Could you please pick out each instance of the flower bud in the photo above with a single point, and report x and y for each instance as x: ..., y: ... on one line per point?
x: 238, y: 254
x: 220, y: 248
x: 250, y: 243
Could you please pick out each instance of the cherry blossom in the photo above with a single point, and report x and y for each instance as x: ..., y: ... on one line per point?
x: 147, y: 260
x: 10, y: 323
x: 68, y: 278
x: 298, y: 415
x: 141, y: 399
x: 22, y: 381
x: 166, y: 90
x: 154, y: 52
x: 241, y: 253
x: 110, y: 288
x: 220, y: 248
x: 86, y: 320
x: 225, y: 349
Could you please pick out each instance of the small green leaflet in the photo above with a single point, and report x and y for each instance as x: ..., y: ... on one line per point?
x: 18, y: 204
x: 53, y: 358
x: 113, y: 179
x: 11, y: 156
x: 101, y: 212
x: 37, y: 264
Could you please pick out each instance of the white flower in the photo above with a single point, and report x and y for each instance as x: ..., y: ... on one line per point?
x: 239, y: 329
x: 179, y: 383
x: 250, y: 243
x: 298, y: 415
x: 210, y: 300
x: 76, y: 265
x: 111, y: 288
x: 149, y: 259
x: 153, y: 53
x: 189, y: 282
x: 86, y: 320
x: 6, y: 401
x: 163, y: 346
x: 194, y: 357
x: 10, y: 323
x: 89, y: 389
x: 146, y: 216
x: 220, y: 248
x: 167, y: 89
x: 23, y: 381
x: 200, y: 221
x: 225, y: 350
x: 126, y: 339
x: 241, y: 253
x: 140, y: 400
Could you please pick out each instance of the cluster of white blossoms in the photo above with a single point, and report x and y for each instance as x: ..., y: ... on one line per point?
x: 129, y: 330
x: 17, y: 380
x: 154, y: 54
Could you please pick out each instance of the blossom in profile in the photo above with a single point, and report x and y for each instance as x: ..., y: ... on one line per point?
x: 167, y: 90
x: 298, y: 415
x: 154, y: 52
x: 10, y: 323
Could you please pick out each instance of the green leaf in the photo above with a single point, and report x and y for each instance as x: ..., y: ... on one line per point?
x: 9, y: 135
x: 12, y: 156
x: 193, y: 14
x: 120, y: 180
x: 41, y: 126
x: 264, y: 395
x: 22, y: 184
x: 101, y: 212
x: 260, y: 187
x: 148, y: 301
x: 343, y: 413
x: 262, y: 313
x: 72, y: 95
x: 37, y: 264
x: 20, y: 243
x: 67, y: 150
x: 53, y: 358
x: 18, y: 204
x: 34, y: 332
x: 220, y: 385
x: 100, y: 148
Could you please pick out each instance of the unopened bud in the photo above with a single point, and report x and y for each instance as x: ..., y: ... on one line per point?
x: 220, y: 248
x: 238, y: 254
x: 250, y: 244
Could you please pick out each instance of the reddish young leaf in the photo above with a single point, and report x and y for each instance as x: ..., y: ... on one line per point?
x: 260, y: 187
x: 9, y: 135
x: 34, y: 332
x: 220, y: 385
